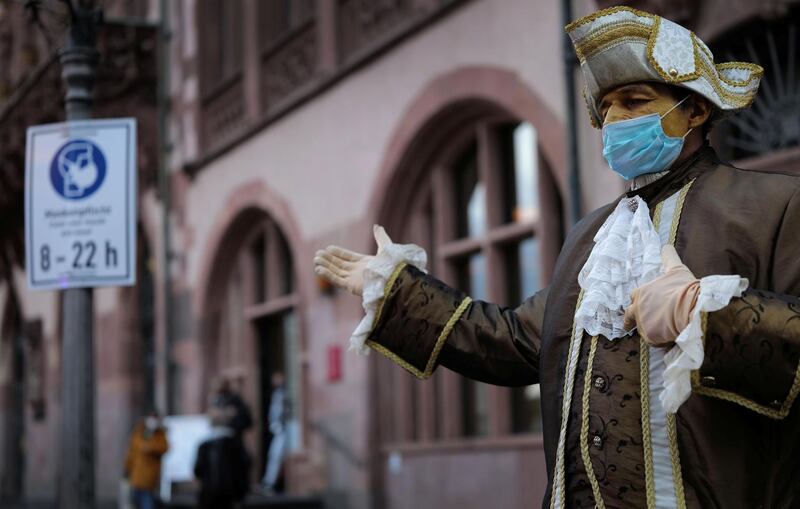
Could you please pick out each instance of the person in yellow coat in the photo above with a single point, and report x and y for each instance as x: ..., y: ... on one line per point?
x: 148, y: 443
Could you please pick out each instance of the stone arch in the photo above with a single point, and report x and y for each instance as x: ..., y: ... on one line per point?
x: 456, y: 97
x: 244, y: 208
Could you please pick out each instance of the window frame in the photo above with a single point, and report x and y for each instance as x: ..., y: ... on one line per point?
x: 427, y: 412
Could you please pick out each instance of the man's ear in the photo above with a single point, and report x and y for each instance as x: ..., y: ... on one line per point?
x: 700, y: 111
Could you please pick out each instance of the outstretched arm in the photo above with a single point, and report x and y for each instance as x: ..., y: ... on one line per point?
x: 421, y: 322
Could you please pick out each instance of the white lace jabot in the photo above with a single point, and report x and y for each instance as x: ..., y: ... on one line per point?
x: 626, y: 254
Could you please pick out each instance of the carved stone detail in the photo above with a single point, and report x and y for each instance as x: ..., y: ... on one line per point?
x: 290, y: 66
x: 223, y: 113
x: 363, y: 22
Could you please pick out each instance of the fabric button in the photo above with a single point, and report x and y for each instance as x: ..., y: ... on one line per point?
x: 599, y: 383
x: 709, y: 381
x: 597, y: 441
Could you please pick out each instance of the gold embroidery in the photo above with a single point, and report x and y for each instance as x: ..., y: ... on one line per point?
x: 677, y: 473
x: 609, y: 35
x: 605, y: 12
x: 594, y: 44
x: 423, y: 375
x: 569, y: 381
x: 755, y: 69
x: 666, y: 76
x: 437, y: 348
x: 587, y: 460
x: 672, y: 434
x: 592, y: 115
x: 386, y: 289
x: 647, y: 445
x: 676, y: 217
x: 644, y: 381
x: 773, y: 413
x: 657, y: 215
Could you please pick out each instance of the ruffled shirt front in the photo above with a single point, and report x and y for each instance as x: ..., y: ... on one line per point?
x: 626, y: 255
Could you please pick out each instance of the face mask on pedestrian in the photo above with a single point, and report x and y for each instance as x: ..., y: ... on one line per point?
x: 638, y: 146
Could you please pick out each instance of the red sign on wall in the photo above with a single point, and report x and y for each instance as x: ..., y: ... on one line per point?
x: 334, y: 363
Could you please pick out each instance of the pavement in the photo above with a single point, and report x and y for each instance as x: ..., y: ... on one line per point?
x: 253, y: 501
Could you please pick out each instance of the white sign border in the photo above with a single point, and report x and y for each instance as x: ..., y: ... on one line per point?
x: 130, y: 125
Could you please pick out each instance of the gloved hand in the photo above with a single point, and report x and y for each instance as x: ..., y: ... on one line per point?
x: 661, y: 309
x: 345, y: 268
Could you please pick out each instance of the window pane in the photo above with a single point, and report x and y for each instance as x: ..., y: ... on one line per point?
x: 284, y: 266
x: 258, y: 252
x: 523, y: 270
x: 472, y: 276
x: 474, y: 406
x: 520, y: 167
x: 523, y: 265
x: 526, y: 413
x: 292, y: 368
x: 470, y: 196
x: 529, y: 267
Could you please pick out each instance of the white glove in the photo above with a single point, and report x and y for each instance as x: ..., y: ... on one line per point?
x: 344, y: 268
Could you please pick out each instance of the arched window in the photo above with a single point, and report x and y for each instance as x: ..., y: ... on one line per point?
x: 255, y: 332
x: 475, y: 204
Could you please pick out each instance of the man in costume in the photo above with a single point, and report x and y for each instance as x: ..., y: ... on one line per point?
x: 668, y: 342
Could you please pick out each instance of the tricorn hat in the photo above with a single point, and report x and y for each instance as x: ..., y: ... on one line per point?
x: 621, y: 45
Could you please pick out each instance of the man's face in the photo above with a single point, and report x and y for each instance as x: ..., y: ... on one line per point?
x: 638, y: 99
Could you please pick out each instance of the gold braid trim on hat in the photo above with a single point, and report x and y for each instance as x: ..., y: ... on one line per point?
x: 605, y: 12
x: 623, y: 31
x: 610, y: 35
x: 655, y: 65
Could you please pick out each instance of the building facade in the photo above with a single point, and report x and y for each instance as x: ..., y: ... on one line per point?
x: 297, y: 124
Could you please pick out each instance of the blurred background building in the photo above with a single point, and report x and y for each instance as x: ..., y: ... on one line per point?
x: 294, y: 124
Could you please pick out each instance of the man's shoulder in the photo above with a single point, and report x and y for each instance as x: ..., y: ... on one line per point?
x: 757, y: 179
x: 734, y: 182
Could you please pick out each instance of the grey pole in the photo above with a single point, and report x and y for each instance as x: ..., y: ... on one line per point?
x: 76, y: 489
x: 573, y: 168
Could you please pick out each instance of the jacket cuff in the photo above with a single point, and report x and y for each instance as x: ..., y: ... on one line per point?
x: 752, y: 354
x: 688, y: 352
x: 414, y: 320
x: 379, y: 276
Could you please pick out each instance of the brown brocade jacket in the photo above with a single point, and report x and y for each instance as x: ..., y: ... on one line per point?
x: 735, y: 443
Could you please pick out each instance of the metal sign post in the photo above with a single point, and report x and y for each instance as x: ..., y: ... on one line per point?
x: 80, y: 232
x: 78, y: 61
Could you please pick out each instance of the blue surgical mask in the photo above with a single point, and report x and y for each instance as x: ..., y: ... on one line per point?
x: 639, y: 145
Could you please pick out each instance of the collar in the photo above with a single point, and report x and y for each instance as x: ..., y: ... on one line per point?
x: 701, y: 160
x: 647, y: 178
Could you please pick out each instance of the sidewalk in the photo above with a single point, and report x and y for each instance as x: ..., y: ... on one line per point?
x: 253, y: 501
x: 256, y: 501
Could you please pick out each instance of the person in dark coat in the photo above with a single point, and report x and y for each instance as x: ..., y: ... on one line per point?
x: 236, y: 411
x: 222, y: 466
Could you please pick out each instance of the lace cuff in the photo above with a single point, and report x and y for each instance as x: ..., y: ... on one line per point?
x: 377, y: 273
x: 687, y: 354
